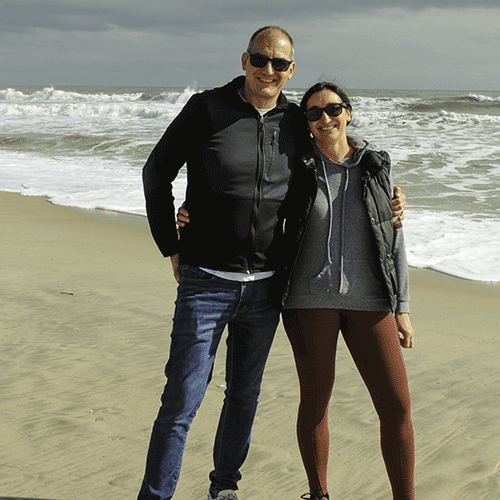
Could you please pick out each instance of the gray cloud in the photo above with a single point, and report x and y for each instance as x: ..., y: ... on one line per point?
x: 191, y: 15
x: 179, y: 43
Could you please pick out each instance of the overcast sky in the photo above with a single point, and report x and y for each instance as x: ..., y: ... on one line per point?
x: 405, y: 44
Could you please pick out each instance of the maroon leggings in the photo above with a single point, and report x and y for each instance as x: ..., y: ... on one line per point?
x: 373, y: 341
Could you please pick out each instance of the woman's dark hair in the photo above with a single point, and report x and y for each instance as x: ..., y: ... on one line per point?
x: 322, y: 86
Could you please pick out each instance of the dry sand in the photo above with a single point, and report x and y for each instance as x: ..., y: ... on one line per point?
x: 86, y: 303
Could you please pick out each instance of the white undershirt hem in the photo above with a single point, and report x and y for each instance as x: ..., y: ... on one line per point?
x: 242, y: 277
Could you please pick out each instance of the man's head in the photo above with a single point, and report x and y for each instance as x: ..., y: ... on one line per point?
x: 271, y: 29
x: 269, y: 48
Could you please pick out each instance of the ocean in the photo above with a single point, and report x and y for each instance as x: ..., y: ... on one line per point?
x: 85, y: 147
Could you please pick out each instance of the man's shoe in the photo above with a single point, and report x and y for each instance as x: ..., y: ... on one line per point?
x: 224, y: 495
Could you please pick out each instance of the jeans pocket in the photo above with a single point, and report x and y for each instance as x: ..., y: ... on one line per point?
x: 190, y: 273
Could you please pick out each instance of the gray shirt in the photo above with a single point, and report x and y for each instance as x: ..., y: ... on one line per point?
x: 337, y: 265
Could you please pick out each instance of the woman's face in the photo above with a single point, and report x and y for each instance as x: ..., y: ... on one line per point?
x: 328, y: 129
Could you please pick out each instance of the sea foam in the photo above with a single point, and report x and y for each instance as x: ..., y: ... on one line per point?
x: 85, y: 147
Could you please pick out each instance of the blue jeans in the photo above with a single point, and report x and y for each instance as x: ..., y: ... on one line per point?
x: 205, y: 305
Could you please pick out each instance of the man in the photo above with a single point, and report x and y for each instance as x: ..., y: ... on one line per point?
x: 239, y: 143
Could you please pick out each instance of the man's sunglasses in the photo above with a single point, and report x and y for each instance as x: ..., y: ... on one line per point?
x: 333, y: 109
x: 260, y: 60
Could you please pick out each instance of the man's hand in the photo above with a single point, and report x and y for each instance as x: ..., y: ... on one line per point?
x: 398, y: 204
x: 176, y: 266
x: 405, y: 328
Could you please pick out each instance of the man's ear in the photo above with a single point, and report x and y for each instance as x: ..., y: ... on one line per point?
x: 244, y: 59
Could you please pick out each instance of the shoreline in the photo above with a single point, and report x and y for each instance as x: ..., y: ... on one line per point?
x: 140, y: 221
x: 87, y: 301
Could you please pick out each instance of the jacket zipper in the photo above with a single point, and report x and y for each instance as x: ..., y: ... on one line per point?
x: 258, y: 188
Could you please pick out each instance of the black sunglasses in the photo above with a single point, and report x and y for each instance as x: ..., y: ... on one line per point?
x: 260, y: 60
x: 333, y: 109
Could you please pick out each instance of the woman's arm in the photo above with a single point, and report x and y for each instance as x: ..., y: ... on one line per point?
x: 399, y: 252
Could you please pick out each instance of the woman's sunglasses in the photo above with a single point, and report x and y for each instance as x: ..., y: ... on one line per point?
x: 333, y: 109
x: 260, y: 60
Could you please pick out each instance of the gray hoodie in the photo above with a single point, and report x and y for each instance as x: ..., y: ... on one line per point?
x: 337, y: 265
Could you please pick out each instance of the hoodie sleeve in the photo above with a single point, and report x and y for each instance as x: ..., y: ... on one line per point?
x: 401, y: 264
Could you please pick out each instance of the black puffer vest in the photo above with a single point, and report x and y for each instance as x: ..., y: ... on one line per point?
x: 377, y: 196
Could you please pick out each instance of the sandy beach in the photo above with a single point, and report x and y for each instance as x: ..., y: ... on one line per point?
x: 86, y: 304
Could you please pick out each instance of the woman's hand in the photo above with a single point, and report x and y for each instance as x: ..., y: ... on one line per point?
x: 183, y: 216
x: 406, y: 330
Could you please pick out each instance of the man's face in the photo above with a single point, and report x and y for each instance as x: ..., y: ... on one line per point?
x: 263, y: 85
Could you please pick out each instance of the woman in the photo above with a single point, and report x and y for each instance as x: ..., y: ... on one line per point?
x: 351, y: 276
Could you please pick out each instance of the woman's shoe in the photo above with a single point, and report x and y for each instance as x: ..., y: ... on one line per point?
x: 310, y: 496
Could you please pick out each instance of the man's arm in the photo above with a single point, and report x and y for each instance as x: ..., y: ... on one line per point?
x: 176, y: 266
x: 162, y: 167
